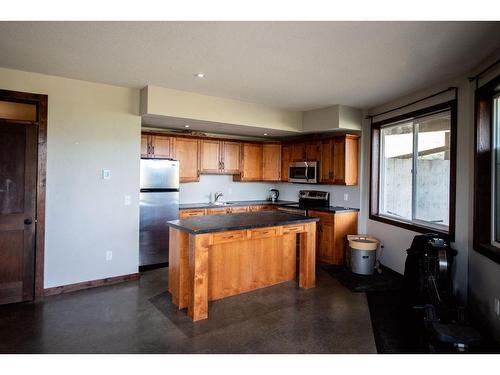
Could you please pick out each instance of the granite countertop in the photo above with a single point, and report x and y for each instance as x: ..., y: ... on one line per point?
x: 238, y: 221
x: 186, y: 206
x: 334, y: 209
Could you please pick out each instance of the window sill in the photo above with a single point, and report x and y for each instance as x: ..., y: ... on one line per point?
x: 411, y: 226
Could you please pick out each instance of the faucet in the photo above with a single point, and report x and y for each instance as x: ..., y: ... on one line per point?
x: 217, y: 195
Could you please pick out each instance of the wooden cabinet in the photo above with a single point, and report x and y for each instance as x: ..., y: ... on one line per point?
x: 156, y: 146
x: 186, y: 214
x: 210, y: 156
x: 271, y: 162
x: 313, y: 151
x: 230, y: 157
x: 332, y: 231
x: 219, y: 157
x: 326, y: 163
x: 345, y: 160
x: 251, y: 162
x: 286, y: 157
x: 186, y: 150
x: 298, y: 152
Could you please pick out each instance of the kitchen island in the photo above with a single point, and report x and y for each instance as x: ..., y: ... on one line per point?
x: 217, y: 256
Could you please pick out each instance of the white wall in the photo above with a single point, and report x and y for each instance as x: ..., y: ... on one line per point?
x: 202, y: 191
x: 90, y: 127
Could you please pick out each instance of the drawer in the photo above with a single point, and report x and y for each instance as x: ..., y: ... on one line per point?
x: 238, y: 209
x: 263, y: 232
x: 293, y: 229
x: 217, y: 211
x: 324, y: 217
x: 184, y: 214
x: 256, y: 208
x: 223, y: 237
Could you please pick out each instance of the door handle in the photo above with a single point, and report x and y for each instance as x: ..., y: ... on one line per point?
x: 28, y: 222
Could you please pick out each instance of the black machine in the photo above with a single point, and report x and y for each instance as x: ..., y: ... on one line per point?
x: 428, y: 293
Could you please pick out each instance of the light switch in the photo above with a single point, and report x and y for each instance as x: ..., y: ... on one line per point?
x: 127, y: 200
x: 106, y: 174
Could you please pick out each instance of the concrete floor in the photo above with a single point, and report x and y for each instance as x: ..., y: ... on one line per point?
x: 138, y: 317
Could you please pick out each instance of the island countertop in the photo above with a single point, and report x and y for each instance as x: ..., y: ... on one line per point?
x: 238, y: 221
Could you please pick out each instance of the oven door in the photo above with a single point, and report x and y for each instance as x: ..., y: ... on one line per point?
x: 303, y: 172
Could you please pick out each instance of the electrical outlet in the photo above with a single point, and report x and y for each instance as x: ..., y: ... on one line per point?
x: 127, y: 200
x: 346, y: 197
x: 497, y: 306
x: 106, y: 174
x: 109, y: 255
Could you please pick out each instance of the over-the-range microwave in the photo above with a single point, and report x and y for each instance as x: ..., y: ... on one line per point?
x: 305, y: 172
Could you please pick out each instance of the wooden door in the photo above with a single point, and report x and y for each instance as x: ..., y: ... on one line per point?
x: 271, y: 162
x: 210, y: 155
x: 18, y: 168
x: 286, y: 150
x: 313, y: 151
x: 186, y: 151
x: 231, y: 157
x: 298, y: 152
x: 251, y: 162
x: 326, y: 161
x: 161, y: 146
x: 145, y: 145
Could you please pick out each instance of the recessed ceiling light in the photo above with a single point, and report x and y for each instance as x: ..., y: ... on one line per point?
x: 186, y: 126
x: 200, y: 75
x: 265, y: 133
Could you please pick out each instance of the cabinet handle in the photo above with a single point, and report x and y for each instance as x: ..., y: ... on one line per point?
x: 228, y: 237
x: 152, y: 150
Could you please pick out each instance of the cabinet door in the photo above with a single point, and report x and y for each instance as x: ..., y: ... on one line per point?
x: 186, y: 151
x: 325, y: 236
x: 345, y: 223
x: 271, y: 162
x: 326, y: 162
x: 231, y: 157
x: 339, y: 161
x: 312, y: 151
x: 298, y: 152
x: 251, y: 162
x: 351, y: 160
x: 286, y: 150
x: 186, y: 214
x: 210, y: 155
x: 144, y: 145
x: 217, y: 211
x: 161, y: 146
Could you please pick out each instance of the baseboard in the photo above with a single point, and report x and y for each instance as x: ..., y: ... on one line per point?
x: 90, y: 284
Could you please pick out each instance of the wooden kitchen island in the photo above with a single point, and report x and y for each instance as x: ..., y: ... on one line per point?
x: 217, y: 256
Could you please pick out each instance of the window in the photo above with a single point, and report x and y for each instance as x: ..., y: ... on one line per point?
x: 487, y: 170
x: 412, y: 168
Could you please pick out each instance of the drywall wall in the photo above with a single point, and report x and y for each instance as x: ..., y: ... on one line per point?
x: 203, y: 191
x: 475, y: 276
x: 336, y: 117
x: 159, y: 101
x: 90, y: 127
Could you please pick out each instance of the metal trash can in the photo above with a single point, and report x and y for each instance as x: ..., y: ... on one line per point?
x: 363, y: 254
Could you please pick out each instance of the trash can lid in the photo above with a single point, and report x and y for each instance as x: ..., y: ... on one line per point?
x: 359, y: 242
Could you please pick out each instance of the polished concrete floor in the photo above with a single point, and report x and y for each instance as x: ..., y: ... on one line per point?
x: 138, y: 317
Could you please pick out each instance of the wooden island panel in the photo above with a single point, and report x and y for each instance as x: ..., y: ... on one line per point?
x: 207, y: 267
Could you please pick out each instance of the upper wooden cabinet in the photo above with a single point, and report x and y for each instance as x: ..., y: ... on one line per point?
x: 313, y: 151
x: 186, y: 150
x: 251, y: 162
x: 271, y: 162
x: 231, y: 155
x: 345, y: 160
x: 156, y: 146
x: 286, y: 157
x: 298, y: 151
x: 219, y: 157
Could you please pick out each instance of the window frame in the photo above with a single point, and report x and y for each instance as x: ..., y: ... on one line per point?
x: 375, y: 164
x: 483, y: 170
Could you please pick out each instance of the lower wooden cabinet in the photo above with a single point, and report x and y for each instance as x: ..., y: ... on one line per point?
x: 331, y: 235
x: 186, y: 214
x: 193, y: 212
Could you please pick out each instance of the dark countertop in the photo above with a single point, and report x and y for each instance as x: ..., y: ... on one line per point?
x: 334, y: 209
x: 187, y: 206
x: 245, y: 220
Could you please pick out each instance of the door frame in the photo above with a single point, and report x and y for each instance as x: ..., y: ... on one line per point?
x: 41, y: 103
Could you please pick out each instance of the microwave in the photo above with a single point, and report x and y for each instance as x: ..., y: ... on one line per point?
x: 305, y: 172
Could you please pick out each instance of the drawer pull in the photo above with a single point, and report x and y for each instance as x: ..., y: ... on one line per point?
x: 227, y: 237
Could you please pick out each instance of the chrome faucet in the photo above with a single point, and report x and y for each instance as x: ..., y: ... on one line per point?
x: 217, y: 195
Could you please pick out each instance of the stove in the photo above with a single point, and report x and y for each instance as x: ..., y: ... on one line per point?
x: 308, y: 200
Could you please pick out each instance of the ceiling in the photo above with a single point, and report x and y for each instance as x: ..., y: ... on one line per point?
x: 293, y: 65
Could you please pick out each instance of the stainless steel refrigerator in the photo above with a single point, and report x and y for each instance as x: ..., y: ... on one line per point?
x: 159, y: 203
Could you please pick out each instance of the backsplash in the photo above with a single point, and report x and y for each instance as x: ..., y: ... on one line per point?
x: 291, y: 192
x: 202, y: 191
